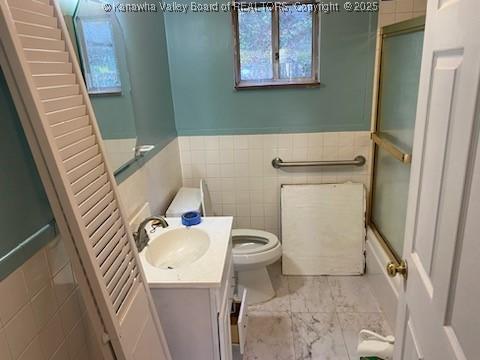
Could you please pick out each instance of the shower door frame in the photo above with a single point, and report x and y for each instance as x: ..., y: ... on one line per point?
x: 404, y: 27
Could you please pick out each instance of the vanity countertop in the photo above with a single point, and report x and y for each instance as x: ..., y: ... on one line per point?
x: 207, y: 271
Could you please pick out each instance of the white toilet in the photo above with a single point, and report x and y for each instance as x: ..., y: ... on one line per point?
x: 253, y: 250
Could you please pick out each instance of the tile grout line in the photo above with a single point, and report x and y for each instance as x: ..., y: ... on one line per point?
x: 30, y: 302
x: 338, y: 319
x: 290, y: 312
x: 343, y: 336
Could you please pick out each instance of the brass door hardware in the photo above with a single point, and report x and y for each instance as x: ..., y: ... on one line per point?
x: 394, y: 268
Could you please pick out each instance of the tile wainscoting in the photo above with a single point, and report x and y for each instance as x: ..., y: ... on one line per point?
x: 242, y: 181
x: 119, y: 151
x: 156, y: 182
x: 42, y: 314
x: 393, y: 11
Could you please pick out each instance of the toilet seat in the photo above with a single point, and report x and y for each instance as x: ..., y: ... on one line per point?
x: 253, y: 250
x: 250, y: 241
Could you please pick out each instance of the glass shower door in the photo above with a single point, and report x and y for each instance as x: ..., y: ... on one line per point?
x: 393, y: 136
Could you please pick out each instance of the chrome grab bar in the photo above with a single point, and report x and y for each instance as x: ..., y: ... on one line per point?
x: 278, y: 163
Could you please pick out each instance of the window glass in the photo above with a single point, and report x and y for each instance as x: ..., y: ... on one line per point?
x: 401, y: 62
x: 389, y: 208
x: 276, y: 45
x: 255, y: 40
x: 295, y: 42
x: 101, y: 66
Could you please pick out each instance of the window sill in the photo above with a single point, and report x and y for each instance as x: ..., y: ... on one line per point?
x: 243, y: 85
x: 105, y: 93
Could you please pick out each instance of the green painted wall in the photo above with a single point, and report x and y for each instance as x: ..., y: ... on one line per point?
x: 146, y: 47
x: 201, y: 66
x: 25, y: 215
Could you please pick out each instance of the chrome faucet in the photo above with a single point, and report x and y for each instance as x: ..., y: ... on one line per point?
x: 141, y: 237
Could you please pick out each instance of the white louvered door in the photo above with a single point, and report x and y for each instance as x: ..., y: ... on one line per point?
x: 62, y: 130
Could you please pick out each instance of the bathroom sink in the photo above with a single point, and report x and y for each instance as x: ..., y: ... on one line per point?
x: 176, y: 248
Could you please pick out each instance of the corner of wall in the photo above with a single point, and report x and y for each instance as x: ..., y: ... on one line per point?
x: 156, y: 182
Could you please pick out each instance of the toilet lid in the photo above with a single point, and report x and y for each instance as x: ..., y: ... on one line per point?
x: 207, y: 207
x: 248, y: 241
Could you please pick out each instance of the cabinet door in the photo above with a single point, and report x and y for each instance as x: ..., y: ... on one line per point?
x: 243, y: 321
x: 224, y: 335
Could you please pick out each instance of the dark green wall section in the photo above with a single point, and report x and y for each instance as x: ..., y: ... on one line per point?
x: 146, y: 46
x: 201, y: 66
x: 25, y: 216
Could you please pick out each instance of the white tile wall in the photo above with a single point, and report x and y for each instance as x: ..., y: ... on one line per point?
x: 42, y: 315
x: 392, y: 11
x: 156, y: 182
x: 244, y: 184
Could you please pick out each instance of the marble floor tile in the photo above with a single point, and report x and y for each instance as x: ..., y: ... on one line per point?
x: 269, y: 336
x: 352, y: 323
x: 318, y: 336
x: 281, y: 301
x: 320, y: 318
x: 352, y: 294
x: 310, y: 294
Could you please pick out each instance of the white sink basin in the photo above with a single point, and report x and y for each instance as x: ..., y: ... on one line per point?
x: 176, y: 248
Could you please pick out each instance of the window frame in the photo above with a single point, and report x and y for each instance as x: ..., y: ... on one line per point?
x: 312, y: 81
x: 83, y: 52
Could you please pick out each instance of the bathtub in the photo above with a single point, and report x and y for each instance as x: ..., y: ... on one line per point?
x: 385, y: 288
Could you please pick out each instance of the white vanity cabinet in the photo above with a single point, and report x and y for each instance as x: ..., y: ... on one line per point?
x: 196, y: 320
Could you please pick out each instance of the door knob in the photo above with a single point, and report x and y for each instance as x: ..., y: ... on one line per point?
x: 394, y: 268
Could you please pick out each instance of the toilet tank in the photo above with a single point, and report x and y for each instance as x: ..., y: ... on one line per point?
x: 187, y: 199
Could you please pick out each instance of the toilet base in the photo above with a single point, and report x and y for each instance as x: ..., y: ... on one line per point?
x: 258, y: 283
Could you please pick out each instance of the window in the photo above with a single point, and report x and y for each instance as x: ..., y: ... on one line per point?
x: 99, y: 57
x: 275, y: 44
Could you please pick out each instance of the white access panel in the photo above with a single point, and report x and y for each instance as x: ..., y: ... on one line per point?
x: 323, y: 229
